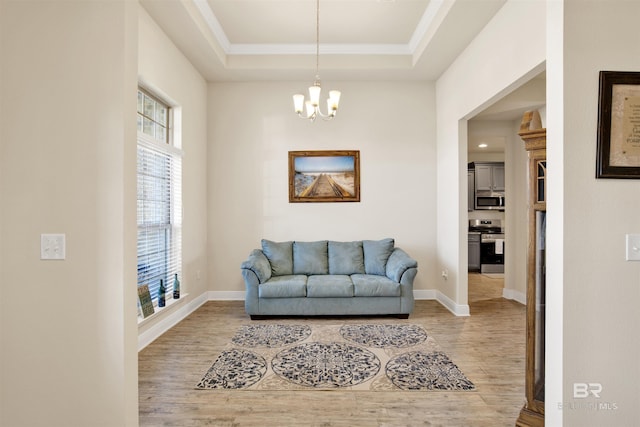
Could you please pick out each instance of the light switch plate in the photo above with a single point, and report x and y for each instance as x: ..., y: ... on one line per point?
x: 633, y: 247
x: 52, y: 246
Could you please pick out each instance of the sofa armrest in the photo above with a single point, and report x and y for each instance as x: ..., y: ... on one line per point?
x: 251, y: 300
x: 258, y: 264
x: 255, y: 270
x: 398, y: 263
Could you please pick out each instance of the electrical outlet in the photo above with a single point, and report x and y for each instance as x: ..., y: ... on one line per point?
x: 445, y: 274
x: 52, y: 246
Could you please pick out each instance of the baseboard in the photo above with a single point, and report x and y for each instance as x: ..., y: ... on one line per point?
x: 424, y: 294
x: 169, y: 321
x: 452, y: 306
x: 512, y: 294
x: 448, y: 303
x: 172, y: 319
x: 226, y: 295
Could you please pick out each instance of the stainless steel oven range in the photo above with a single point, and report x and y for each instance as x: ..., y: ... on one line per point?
x: 491, y: 244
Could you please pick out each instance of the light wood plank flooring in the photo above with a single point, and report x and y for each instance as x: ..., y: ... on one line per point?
x: 488, y: 347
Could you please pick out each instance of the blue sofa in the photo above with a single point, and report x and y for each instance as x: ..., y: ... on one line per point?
x: 369, y: 277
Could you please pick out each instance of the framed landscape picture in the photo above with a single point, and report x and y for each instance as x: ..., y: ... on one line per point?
x: 618, y: 153
x: 324, y: 176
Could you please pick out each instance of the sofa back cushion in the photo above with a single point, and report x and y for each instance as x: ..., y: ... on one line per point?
x: 280, y: 256
x: 310, y: 258
x: 376, y: 255
x: 346, y: 258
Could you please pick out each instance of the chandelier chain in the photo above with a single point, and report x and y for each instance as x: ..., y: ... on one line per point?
x: 317, y: 38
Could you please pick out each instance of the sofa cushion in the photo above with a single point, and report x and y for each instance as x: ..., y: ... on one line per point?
x: 329, y: 286
x: 284, y: 287
x: 280, y: 256
x: 346, y: 258
x: 371, y: 285
x: 310, y: 258
x: 376, y: 254
x: 259, y: 264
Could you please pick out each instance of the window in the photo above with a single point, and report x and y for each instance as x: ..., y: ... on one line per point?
x: 159, y: 197
x: 153, y: 117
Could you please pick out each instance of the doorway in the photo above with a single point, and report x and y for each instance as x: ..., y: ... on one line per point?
x: 492, y: 137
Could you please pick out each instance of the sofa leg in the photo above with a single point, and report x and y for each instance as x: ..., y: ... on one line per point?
x: 403, y: 316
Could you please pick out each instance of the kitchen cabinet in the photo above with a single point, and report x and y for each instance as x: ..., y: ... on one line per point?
x: 474, y: 251
x: 489, y: 177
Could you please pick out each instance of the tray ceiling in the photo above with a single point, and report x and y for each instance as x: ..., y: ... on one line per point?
x: 359, y: 39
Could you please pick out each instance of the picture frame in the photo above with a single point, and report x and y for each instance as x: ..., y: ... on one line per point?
x: 145, y: 301
x: 618, y: 152
x: 324, y: 176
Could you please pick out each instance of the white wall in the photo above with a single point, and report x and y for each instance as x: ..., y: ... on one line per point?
x: 67, y: 161
x: 601, y: 290
x: 251, y: 129
x: 517, y: 171
x: 164, y: 69
x: 507, y: 53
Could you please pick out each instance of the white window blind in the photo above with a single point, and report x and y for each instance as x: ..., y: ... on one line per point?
x: 159, y: 213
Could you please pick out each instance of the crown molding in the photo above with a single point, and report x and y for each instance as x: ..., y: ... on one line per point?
x: 426, y: 23
x: 423, y: 29
x: 325, y: 49
x: 213, y: 24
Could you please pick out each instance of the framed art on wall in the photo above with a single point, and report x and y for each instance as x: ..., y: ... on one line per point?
x: 324, y: 176
x: 618, y: 153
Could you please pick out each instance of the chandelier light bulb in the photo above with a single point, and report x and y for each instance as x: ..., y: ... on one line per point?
x: 334, y: 100
x: 314, y: 94
x: 298, y: 102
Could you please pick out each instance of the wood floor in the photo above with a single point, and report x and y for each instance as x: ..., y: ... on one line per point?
x: 488, y: 347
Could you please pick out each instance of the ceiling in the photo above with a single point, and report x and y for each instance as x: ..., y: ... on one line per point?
x: 530, y: 96
x: 241, y: 40
x: 364, y: 40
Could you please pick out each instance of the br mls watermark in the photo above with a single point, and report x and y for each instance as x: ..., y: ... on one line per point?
x: 584, y: 391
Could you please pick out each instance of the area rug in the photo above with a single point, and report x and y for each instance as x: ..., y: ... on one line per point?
x: 372, y: 357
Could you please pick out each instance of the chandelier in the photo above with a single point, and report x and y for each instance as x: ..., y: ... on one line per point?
x: 312, y: 105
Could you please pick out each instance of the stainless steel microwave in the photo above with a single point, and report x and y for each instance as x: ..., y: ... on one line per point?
x: 489, y: 201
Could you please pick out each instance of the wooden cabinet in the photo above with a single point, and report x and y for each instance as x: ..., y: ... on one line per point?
x: 535, y: 139
x: 490, y: 177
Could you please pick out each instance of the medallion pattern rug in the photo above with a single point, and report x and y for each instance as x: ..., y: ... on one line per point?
x: 372, y: 357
